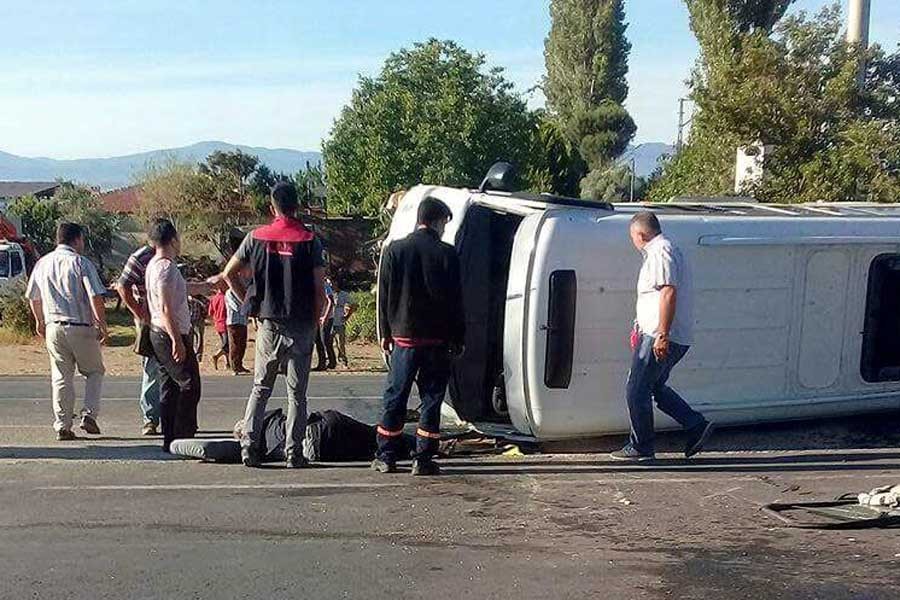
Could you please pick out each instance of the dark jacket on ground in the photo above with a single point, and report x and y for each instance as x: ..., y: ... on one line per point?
x: 419, y: 290
x: 334, y: 436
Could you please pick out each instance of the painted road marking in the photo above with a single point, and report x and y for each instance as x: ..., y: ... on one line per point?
x: 208, y: 398
x: 214, y: 486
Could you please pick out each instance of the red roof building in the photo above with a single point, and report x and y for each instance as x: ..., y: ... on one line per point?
x: 123, y: 201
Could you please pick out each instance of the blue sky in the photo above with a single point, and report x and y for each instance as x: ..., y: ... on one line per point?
x: 84, y: 78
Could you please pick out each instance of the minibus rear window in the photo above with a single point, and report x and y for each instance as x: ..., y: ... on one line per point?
x: 881, y: 337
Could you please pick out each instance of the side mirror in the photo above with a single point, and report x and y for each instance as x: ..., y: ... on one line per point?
x: 501, y: 177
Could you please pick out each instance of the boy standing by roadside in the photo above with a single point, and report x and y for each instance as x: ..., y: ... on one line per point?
x: 218, y: 314
x: 343, y: 310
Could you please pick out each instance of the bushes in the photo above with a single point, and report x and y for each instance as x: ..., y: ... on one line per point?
x: 15, y: 313
x: 361, y: 326
x: 198, y: 267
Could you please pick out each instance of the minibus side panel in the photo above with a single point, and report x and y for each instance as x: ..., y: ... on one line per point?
x: 757, y: 293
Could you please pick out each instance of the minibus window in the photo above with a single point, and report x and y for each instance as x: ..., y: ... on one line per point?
x: 560, y: 329
x: 4, y: 263
x: 15, y: 264
x: 881, y: 336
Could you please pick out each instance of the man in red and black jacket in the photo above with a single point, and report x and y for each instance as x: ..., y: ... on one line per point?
x: 421, y: 327
x: 286, y: 295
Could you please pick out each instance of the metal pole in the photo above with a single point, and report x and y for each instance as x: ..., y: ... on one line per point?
x: 680, y: 140
x: 631, y: 195
x: 858, y: 17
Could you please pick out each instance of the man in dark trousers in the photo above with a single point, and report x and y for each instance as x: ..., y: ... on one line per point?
x: 422, y: 328
x: 287, y: 295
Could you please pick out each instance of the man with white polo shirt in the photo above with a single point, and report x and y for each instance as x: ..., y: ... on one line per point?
x: 66, y: 297
x: 662, y: 336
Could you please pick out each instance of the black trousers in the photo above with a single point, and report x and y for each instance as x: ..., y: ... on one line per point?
x: 179, y: 390
x: 325, y: 345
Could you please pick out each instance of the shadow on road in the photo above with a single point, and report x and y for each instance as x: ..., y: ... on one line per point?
x: 61, y: 452
x: 862, y: 432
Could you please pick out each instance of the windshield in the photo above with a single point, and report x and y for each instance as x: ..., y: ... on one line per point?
x: 4, y: 263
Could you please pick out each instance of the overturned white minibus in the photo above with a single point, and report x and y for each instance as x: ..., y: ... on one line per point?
x: 797, y: 309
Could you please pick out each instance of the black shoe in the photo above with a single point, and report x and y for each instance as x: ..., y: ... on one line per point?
x: 425, y: 467
x: 696, y: 437
x: 630, y: 454
x: 331, y: 366
x: 249, y: 458
x: 319, y: 368
x: 296, y: 461
x: 383, y: 466
x: 65, y: 435
x: 89, y: 424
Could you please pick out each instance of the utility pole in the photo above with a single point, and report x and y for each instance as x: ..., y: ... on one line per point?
x: 631, y: 195
x: 858, y: 17
x: 679, y: 142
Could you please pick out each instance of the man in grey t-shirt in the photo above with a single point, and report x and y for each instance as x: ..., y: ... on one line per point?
x: 662, y: 336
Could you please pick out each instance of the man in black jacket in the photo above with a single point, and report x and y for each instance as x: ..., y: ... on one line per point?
x: 421, y: 326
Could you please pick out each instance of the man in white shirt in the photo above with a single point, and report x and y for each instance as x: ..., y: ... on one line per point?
x: 66, y: 297
x: 662, y: 336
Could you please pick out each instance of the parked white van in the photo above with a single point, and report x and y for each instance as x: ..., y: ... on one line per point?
x: 12, y: 262
x: 797, y: 309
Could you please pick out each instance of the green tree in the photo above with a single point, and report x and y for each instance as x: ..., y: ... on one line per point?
x: 193, y: 200
x: 39, y: 218
x: 554, y: 164
x: 308, y: 181
x: 614, y: 184
x: 80, y: 205
x: 260, y: 187
x: 586, y: 55
x: 231, y: 171
x: 434, y: 114
x: 790, y: 83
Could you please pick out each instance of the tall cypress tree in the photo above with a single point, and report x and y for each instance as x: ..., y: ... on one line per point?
x: 586, y: 55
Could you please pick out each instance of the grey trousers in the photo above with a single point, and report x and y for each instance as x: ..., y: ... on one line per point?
x: 280, y: 346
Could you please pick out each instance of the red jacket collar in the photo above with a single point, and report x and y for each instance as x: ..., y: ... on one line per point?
x: 283, y: 229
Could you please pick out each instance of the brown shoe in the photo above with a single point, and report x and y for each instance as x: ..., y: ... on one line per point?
x: 149, y: 429
x: 65, y: 435
x: 89, y: 424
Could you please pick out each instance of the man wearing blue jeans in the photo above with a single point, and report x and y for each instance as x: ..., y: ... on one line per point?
x: 132, y: 289
x: 662, y: 336
x: 421, y: 327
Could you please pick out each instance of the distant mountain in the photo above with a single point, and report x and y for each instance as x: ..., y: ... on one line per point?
x: 119, y: 171
x: 647, y: 156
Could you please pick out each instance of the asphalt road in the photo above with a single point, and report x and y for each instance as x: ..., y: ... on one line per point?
x: 114, y: 517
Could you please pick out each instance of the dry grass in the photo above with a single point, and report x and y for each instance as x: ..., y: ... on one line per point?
x: 8, y: 337
x: 27, y: 356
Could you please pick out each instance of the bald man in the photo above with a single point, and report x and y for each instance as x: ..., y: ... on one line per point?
x: 662, y: 336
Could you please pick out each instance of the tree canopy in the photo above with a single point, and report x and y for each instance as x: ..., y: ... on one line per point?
x: 789, y: 83
x: 74, y: 203
x: 586, y: 56
x: 434, y: 114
